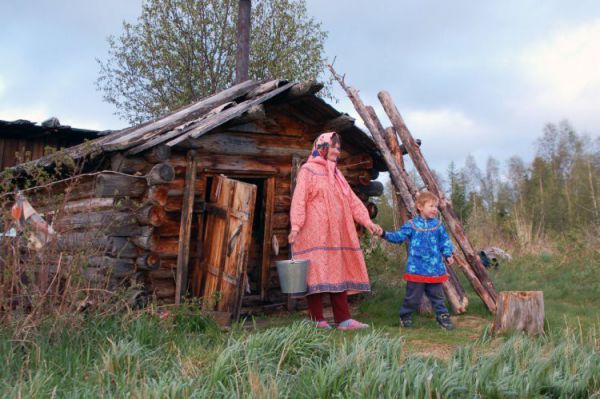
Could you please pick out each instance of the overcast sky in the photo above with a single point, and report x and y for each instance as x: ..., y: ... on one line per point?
x: 469, y: 77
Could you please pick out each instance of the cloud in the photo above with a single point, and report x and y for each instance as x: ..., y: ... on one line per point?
x: 40, y: 112
x: 33, y: 113
x: 442, y: 122
x: 447, y: 134
x: 83, y: 122
x: 562, y: 74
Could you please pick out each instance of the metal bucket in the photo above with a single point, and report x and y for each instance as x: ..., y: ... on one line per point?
x: 292, y: 275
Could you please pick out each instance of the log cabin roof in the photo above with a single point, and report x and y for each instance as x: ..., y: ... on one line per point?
x: 218, y: 109
x: 24, y: 129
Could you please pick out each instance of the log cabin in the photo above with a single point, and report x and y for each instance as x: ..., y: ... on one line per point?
x: 196, y: 203
x: 22, y: 140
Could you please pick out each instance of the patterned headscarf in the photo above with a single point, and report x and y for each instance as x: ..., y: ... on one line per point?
x: 319, y: 155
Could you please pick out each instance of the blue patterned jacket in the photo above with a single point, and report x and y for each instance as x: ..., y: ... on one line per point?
x: 427, y: 242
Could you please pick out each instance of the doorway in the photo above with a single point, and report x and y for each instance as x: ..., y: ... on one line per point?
x: 254, y: 253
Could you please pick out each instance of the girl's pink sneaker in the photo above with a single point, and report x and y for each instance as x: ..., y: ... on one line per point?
x: 351, y: 324
x: 323, y: 324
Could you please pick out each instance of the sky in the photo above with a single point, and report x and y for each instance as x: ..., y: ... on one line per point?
x: 478, y: 78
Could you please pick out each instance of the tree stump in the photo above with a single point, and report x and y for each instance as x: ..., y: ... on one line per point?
x: 521, y: 311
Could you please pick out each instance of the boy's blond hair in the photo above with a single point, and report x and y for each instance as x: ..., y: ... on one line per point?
x: 424, y: 197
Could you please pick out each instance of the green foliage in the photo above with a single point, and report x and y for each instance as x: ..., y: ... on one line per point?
x: 179, y: 51
x: 556, y: 193
x: 458, y: 193
x: 30, y: 175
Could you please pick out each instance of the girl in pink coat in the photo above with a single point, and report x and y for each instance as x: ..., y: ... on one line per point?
x: 324, y: 209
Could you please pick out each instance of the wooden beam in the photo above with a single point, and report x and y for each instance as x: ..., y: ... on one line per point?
x: 267, y: 238
x: 118, y: 185
x: 306, y: 88
x: 242, y: 59
x: 139, y: 134
x: 158, y: 154
x: 160, y: 173
x: 376, y: 131
x: 342, y: 122
x: 183, y: 252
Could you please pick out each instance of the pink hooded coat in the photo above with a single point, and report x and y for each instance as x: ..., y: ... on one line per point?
x: 323, y: 211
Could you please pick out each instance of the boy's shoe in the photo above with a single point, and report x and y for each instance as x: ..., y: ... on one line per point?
x: 323, y: 325
x: 406, y: 321
x: 351, y: 324
x: 444, y: 321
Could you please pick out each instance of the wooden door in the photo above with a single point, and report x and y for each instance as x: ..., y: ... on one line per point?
x: 229, y: 216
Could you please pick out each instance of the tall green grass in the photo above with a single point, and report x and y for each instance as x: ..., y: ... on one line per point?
x: 139, y: 355
x: 144, y: 357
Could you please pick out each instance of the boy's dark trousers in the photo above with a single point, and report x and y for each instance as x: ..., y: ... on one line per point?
x: 414, y: 294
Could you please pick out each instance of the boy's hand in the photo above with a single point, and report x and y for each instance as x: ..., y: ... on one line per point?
x: 450, y: 260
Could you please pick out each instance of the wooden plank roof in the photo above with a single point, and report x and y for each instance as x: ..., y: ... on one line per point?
x: 208, y: 113
x: 24, y: 129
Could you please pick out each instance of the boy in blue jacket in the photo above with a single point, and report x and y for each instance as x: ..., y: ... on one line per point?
x: 425, y: 269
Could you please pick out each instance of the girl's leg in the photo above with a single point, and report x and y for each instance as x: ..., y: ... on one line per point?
x: 339, y: 305
x: 315, y: 307
x: 341, y: 312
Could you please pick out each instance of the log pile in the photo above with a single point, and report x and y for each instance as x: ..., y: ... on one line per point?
x: 470, y: 263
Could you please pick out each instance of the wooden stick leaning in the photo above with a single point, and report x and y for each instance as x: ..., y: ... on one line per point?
x: 379, y: 140
x: 377, y: 131
x: 489, y: 294
x: 454, y: 291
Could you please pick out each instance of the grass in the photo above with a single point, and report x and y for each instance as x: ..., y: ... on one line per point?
x: 140, y: 355
x: 569, y: 278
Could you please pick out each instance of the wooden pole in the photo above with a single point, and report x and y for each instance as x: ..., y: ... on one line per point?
x: 119, y: 185
x: 379, y: 140
x: 243, y: 40
x: 267, y: 237
x: 187, y: 208
x: 392, y: 141
x: 454, y: 291
x: 372, y: 122
x: 489, y: 295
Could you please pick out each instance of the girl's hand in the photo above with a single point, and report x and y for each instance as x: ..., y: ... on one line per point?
x: 375, y: 229
x: 450, y: 260
x: 292, y: 236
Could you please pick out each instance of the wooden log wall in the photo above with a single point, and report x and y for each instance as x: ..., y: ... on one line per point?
x: 131, y: 213
x: 248, y: 151
x: 14, y: 151
x: 114, y: 217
